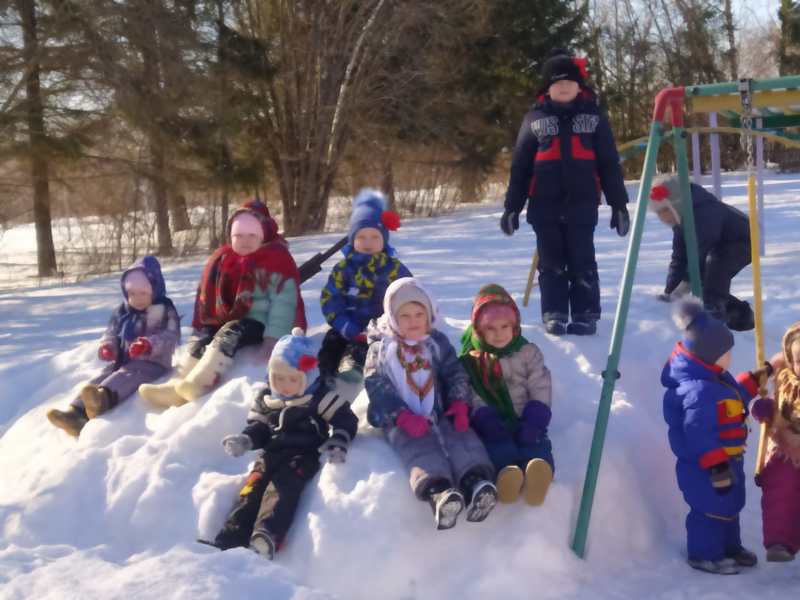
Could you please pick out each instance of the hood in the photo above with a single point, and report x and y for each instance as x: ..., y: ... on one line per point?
x: 150, y: 266
x: 260, y: 211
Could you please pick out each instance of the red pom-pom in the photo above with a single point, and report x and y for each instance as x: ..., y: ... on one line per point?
x: 306, y: 363
x: 390, y: 220
x: 581, y: 64
x: 659, y: 193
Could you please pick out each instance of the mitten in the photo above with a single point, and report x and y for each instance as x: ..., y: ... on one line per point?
x: 237, y: 444
x: 140, y: 347
x: 107, y: 352
x: 488, y: 424
x: 722, y: 478
x: 459, y: 410
x: 332, y: 451
x: 414, y: 425
x: 765, y: 372
x: 534, y: 420
x: 361, y: 338
x: 350, y: 330
x: 763, y: 410
x: 620, y: 220
x: 509, y: 222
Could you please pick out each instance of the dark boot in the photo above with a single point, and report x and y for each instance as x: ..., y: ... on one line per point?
x: 71, y: 420
x: 446, y: 504
x: 555, y: 327
x: 740, y: 316
x: 743, y: 557
x: 96, y: 400
x: 582, y: 328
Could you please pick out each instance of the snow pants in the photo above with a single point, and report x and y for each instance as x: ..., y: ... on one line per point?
x: 780, y: 504
x: 230, y: 338
x: 712, y: 537
x: 723, y: 263
x: 123, y: 382
x: 506, y: 452
x: 568, y: 276
x: 335, y: 348
x: 269, y: 498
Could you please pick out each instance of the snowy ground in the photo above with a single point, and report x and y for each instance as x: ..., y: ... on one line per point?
x: 116, y: 513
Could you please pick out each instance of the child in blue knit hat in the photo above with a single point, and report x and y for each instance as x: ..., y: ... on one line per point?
x: 297, y: 422
x: 705, y: 409
x: 354, y: 293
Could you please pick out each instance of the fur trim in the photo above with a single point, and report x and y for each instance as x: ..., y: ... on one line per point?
x: 686, y: 311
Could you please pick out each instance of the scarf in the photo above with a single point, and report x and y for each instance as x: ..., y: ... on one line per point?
x: 411, y: 371
x: 482, y: 363
x: 132, y: 323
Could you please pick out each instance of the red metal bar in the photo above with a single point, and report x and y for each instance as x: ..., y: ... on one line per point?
x: 671, y: 98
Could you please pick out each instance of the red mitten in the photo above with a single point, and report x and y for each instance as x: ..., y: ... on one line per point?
x: 361, y: 338
x: 107, y: 352
x: 459, y: 410
x: 140, y: 347
x: 414, y: 425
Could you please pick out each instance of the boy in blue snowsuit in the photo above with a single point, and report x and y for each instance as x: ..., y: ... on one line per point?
x: 354, y: 293
x: 564, y: 155
x: 705, y: 409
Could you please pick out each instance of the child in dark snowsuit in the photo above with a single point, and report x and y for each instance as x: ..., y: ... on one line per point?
x: 723, y: 248
x: 354, y: 293
x: 705, y: 409
x: 564, y: 155
x: 138, y: 345
x: 416, y: 386
x: 511, y: 396
x: 249, y: 291
x: 296, y: 423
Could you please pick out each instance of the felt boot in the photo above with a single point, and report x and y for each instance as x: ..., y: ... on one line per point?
x: 205, y: 374
x: 509, y: 484
x: 538, y: 476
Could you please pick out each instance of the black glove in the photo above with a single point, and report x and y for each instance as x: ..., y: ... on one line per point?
x: 722, y: 478
x: 620, y: 220
x: 509, y: 222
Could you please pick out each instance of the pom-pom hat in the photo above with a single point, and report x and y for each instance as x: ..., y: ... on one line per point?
x: 294, y: 353
x: 369, y: 210
x: 562, y: 66
x: 703, y: 335
x: 666, y: 195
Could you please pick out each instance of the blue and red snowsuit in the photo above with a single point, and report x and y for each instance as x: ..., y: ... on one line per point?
x: 705, y: 409
x: 564, y: 156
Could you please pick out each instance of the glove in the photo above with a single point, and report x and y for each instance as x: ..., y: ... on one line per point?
x: 764, y: 372
x: 763, y: 410
x: 237, y: 444
x: 332, y: 451
x: 488, y: 424
x: 620, y: 220
x: 141, y: 346
x: 414, y: 425
x: 509, y: 222
x: 459, y: 410
x: 107, y: 352
x: 722, y: 478
x: 361, y: 338
x: 534, y: 420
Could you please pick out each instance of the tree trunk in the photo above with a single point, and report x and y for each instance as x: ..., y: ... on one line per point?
x: 731, y: 53
x: 45, y: 249
x: 387, y: 184
x: 160, y: 196
x: 179, y: 212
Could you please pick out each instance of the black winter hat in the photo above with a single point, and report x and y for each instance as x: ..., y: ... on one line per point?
x: 561, y: 65
x: 703, y: 335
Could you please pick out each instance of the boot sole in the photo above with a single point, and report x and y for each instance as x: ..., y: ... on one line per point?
x: 715, y: 568
x: 538, y: 476
x: 447, y: 511
x: 509, y: 484
x: 483, y: 501
x: 263, y: 546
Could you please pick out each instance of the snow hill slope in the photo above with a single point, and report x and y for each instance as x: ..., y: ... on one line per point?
x: 115, y: 514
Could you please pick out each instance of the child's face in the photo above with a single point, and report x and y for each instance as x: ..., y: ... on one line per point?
x: 246, y: 243
x: 287, y: 384
x: 564, y: 90
x: 794, y: 363
x: 139, y: 298
x: 724, y: 361
x: 412, y: 320
x: 667, y: 217
x: 368, y: 241
x: 498, y: 333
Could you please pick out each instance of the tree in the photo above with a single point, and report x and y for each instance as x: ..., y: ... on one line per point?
x: 789, y: 46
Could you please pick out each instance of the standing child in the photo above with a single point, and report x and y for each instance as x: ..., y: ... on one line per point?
x: 419, y: 394
x: 296, y: 423
x: 511, y: 396
x: 354, y: 293
x: 249, y: 290
x: 564, y: 155
x: 137, y: 345
x: 780, y: 477
x: 705, y: 409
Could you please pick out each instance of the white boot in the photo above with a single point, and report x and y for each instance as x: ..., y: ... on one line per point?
x: 162, y: 394
x: 205, y: 374
x: 186, y: 365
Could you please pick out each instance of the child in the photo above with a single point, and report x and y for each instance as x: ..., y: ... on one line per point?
x: 289, y: 423
x: 723, y: 248
x: 705, y: 409
x: 415, y: 382
x: 137, y: 345
x: 354, y: 293
x: 249, y: 290
x: 565, y: 153
x: 780, y: 477
x: 511, y: 393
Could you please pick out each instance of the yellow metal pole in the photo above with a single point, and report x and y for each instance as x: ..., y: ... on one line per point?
x: 531, y: 278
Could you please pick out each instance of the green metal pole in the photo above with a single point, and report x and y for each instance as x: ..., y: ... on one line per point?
x: 610, y: 374
x: 687, y: 210
x: 732, y: 87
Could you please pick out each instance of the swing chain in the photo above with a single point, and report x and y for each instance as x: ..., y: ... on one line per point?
x: 746, y: 95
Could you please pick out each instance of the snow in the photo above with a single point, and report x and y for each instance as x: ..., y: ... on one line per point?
x: 115, y: 513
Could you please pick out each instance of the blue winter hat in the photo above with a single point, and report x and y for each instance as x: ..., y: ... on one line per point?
x: 295, y: 352
x: 703, y: 335
x: 151, y: 268
x: 369, y: 210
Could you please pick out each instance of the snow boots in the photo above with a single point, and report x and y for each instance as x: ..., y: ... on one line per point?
x: 725, y: 566
x: 555, y: 327
x: 261, y: 542
x: 164, y: 394
x: 97, y: 400
x: 779, y: 553
x: 538, y: 475
x: 446, y: 505
x: 744, y: 557
x: 71, y: 420
x: 509, y: 484
x: 582, y: 328
x: 483, y: 498
x: 205, y: 374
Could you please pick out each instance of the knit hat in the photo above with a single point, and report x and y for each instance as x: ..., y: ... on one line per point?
x: 259, y: 210
x: 369, y: 210
x: 293, y: 353
x: 666, y: 194
x: 147, y: 270
x: 494, y: 302
x: 245, y: 223
x: 703, y: 335
x: 560, y: 66
x: 402, y: 291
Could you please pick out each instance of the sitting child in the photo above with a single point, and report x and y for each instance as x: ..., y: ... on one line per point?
x: 511, y: 396
x: 415, y: 382
x: 249, y: 290
x: 354, y: 293
x: 137, y: 345
x: 705, y: 409
x: 289, y: 423
x: 780, y: 477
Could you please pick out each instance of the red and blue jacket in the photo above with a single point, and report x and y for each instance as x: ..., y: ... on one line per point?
x: 564, y: 156
x: 705, y: 409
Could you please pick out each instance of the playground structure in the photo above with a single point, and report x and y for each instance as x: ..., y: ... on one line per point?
x: 756, y: 106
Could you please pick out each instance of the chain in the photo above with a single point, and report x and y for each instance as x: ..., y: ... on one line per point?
x: 746, y: 95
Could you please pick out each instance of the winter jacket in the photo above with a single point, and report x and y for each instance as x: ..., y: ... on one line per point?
x: 564, y: 156
x: 705, y: 409
x: 716, y: 223
x: 354, y: 293
x: 159, y: 323
x: 385, y: 403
